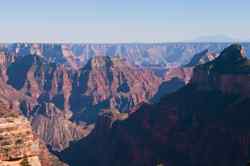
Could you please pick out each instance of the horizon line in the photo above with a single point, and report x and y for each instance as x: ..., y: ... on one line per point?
x: 127, y: 42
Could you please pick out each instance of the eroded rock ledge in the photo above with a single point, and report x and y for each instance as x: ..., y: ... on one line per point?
x: 17, y: 142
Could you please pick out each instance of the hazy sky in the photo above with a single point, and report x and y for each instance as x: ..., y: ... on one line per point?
x: 122, y: 20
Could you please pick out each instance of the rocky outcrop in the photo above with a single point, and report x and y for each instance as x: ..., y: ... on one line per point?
x: 229, y: 73
x: 201, y: 58
x: 194, y: 126
x: 18, y: 144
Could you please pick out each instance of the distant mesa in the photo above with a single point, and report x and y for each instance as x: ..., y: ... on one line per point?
x: 216, y: 39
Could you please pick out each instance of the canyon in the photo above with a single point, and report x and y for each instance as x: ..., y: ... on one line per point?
x: 82, y: 96
x: 63, y: 101
x: 204, y: 123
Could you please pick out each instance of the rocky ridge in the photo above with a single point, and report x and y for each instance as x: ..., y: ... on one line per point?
x: 200, y: 124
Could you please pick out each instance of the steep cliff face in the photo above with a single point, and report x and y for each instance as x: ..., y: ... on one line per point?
x: 18, y: 144
x: 201, y: 124
x: 5, y: 61
x: 42, y: 93
x: 40, y: 79
x: 106, y: 83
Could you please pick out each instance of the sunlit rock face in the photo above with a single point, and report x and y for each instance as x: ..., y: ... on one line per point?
x: 17, y: 142
x: 19, y: 145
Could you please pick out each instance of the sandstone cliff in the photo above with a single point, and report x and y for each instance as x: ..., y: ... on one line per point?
x: 18, y: 144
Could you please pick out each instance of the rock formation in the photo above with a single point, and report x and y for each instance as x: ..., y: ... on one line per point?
x: 201, y: 58
x: 54, y: 128
x: 61, y: 88
x: 205, y: 123
x: 18, y: 144
x: 45, y: 89
x: 106, y: 83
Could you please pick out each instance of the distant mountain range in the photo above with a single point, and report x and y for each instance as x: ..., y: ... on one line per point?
x: 218, y: 39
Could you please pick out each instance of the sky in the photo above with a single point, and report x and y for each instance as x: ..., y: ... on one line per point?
x: 123, y: 21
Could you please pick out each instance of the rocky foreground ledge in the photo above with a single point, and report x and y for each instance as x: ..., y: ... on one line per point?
x: 18, y: 145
